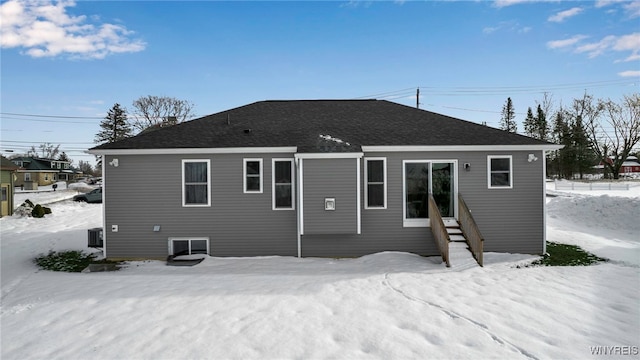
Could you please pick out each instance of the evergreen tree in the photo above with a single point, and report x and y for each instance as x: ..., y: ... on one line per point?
x: 529, y: 124
x: 63, y: 157
x: 114, y: 127
x: 541, y: 126
x: 584, y: 157
x: 564, y: 157
x: 507, y: 121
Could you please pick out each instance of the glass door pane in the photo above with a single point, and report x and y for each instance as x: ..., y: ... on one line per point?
x: 442, y: 188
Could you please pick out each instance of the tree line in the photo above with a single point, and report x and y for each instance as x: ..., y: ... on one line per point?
x: 592, y: 131
x: 148, y: 113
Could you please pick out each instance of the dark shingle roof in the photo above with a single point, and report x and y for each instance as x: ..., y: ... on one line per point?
x: 6, y: 164
x: 345, y: 125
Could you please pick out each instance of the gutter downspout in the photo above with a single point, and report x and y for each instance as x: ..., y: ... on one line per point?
x: 544, y: 202
x: 104, y: 208
x: 298, y: 203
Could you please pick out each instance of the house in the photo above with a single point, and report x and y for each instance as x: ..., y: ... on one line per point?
x: 630, y: 166
x: 321, y: 178
x: 37, y: 171
x: 7, y: 177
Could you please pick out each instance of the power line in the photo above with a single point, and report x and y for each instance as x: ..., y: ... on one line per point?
x: 52, y: 116
x: 44, y: 142
x: 497, y: 90
x: 47, y: 121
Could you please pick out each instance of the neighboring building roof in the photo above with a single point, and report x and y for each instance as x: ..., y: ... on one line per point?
x: 6, y: 164
x: 29, y: 163
x: 38, y: 164
x: 322, y: 126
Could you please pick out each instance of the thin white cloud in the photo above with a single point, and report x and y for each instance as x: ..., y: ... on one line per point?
x: 511, y: 26
x: 505, y: 3
x: 563, y: 15
x: 632, y: 57
x: 628, y: 42
x: 625, y: 43
x: 603, y: 3
x: 559, y: 44
x: 44, y: 29
x: 630, y: 73
x: 631, y: 8
x: 597, y: 48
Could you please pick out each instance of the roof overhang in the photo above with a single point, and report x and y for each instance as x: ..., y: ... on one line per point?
x: 330, y: 155
x: 37, y: 171
x: 230, y: 150
x: 435, y: 148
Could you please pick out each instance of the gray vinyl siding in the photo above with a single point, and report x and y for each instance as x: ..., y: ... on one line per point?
x: 382, y: 229
x: 330, y: 178
x: 511, y: 220
x: 146, y: 190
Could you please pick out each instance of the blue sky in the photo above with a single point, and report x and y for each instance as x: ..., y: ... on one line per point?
x: 69, y: 62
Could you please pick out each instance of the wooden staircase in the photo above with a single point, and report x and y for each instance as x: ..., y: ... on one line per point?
x: 454, y: 231
x: 460, y: 255
x: 457, y: 239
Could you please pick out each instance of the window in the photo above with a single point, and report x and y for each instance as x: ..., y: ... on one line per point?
x: 186, y: 246
x: 499, y: 168
x: 46, y: 177
x: 196, y: 180
x: 283, y: 184
x: 5, y: 195
x: 416, y: 191
x: 424, y: 177
x: 375, y: 189
x: 253, y: 176
x: 27, y: 176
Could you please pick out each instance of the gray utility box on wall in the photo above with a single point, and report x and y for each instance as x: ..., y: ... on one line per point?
x: 95, y: 238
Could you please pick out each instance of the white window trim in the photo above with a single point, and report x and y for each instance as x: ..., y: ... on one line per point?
x: 412, y: 222
x: 244, y: 175
x: 273, y: 183
x: 27, y: 176
x: 172, y: 239
x: 489, y: 158
x: 208, y: 161
x: 427, y: 222
x: 366, y: 183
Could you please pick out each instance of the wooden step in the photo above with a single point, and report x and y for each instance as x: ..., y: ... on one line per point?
x: 450, y: 223
x: 454, y: 231
x: 457, y: 238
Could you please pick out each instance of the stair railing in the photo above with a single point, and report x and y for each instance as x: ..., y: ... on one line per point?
x: 470, y: 230
x: 439, y: 230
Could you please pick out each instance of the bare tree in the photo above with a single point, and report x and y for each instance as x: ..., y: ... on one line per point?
x: 44, y: 151
x: 85, y: 167
x: 155, y: 111
x: 613, y: 130
x: 547, y: 104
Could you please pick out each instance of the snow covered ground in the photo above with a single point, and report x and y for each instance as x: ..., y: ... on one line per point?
x: 383, y: 306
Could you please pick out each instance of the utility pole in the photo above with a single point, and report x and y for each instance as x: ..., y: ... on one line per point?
x: 418, y: 98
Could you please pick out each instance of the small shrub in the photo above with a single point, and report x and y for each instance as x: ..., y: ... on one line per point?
x: 28, y: 209
x: 567, y: 255
x: 69, y: 261
x: 38, y: 211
